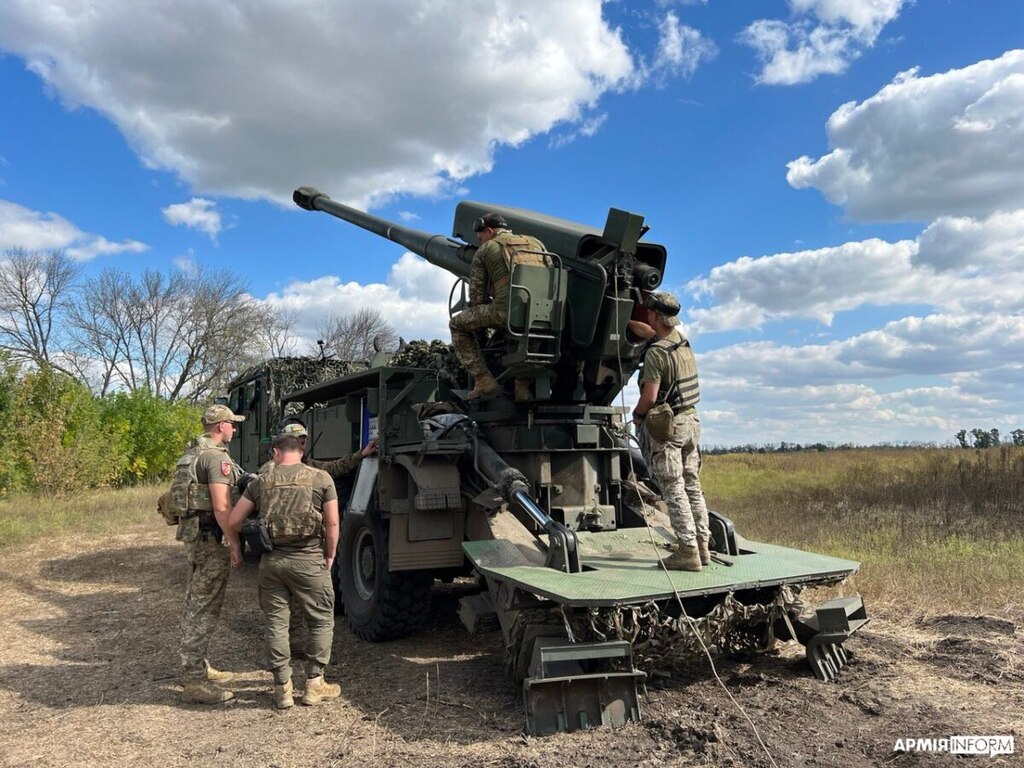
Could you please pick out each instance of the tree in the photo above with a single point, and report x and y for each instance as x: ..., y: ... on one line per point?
x: 1017, y: 436
x: 351, y: 337
x: 961, y: 438
x: 35, y: 297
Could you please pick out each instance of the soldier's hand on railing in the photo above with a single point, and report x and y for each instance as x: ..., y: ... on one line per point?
x: 370, y: 449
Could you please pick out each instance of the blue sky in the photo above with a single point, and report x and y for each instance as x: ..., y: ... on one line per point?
x: 846, y: 272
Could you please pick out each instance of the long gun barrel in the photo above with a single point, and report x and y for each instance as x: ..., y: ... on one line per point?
x: 437, y: 249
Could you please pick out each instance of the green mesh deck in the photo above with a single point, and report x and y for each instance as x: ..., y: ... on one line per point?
x: 621, y: 567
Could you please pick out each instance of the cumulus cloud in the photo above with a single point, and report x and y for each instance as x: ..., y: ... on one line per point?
x: 957, y: 264
x: 822, y: 38
x: 948, y: 144
x: 22, y: 227
x: 414, y: 299
x: 198, y: 213
x: 681, y: 49
x: 251, y: 100
x: 864, y: 389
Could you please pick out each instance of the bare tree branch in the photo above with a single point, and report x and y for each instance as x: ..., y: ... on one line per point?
x: 351, y: 337
x: 35, y: 297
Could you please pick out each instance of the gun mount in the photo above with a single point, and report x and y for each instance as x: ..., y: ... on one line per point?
x: 544, y: 500
x: 569, y: 333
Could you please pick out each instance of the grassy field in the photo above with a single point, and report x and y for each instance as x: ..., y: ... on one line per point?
x: 25, y: 518
x: 935, y: 530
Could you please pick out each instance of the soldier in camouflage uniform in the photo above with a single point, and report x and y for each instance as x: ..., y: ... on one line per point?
x: 489, y: 276
x: 200, y: 530
x: 670, y: 375
x: 299, y: 506
x: 336, y: 468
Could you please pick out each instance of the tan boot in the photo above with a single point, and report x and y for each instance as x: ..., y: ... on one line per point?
x: 485, y: 387
x: 205, y: 692
x: 218, y: 676
x: 283, y: 696
x: 685, y: 558
x: 318, y: 690
x: 524, y: 392
x: 705, y: 551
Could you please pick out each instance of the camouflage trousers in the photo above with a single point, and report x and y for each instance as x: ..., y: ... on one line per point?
x: 464, y: 327
x: 208, y: 567
x: 675, y: 464
x: 300, y: 578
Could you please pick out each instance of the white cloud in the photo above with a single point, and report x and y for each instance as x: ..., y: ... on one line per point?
x: 681, y: 49
x: 364, y: 100
x: 408, y: 216
x: 198, y: 213
x: 823, y: 37
x: 22, y: 227
x: 958, y: 264
x: 586, y: 129
x: 864, y: 389
x: 922, y: 147
x: 414, y: 299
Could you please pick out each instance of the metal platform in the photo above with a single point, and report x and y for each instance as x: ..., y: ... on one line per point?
x: 621, y: 567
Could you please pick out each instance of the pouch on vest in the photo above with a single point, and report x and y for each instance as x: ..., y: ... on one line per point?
x: 658, y: 421
x: 163, y: 506
x: 255, y: 534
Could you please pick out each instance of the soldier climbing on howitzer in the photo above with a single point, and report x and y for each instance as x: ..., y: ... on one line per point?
x: 204, y: 486
x: 299, y: 506
x: 669, y: 429
x: 500, y: 250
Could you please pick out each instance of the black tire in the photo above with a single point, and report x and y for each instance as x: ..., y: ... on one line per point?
x: 380, y: 604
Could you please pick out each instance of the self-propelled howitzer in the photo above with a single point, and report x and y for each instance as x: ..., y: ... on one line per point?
x: 542, y: 498
x: 567, y: 324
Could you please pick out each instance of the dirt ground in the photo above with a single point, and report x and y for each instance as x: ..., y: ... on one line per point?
x: 88, y: 677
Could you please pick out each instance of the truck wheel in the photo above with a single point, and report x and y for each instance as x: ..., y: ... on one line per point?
x: 380, y: 605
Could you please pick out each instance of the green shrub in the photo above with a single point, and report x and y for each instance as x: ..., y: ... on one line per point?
x: 154, y: 432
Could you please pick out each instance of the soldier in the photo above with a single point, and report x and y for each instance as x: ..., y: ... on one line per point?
x: 488, y: 297
x: 670, y: 376
x: 336, y: 468
x: 300, y: 509
x: 210, y: 477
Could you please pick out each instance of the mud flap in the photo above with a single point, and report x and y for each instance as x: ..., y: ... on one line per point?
x: 582, y: 685
x: 823, y: 634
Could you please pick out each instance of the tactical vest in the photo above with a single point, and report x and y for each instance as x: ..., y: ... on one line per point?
x: 187, y: 496
x: 286, y: 506
x: 683, y: 391
x: 515, y: 249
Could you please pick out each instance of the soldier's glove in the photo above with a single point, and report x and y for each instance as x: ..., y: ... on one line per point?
x: 244, y: 480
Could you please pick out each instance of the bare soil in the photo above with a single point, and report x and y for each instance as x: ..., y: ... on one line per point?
x: 88, y: 676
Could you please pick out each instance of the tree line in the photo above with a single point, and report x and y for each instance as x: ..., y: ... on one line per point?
x: 179, y: 336
x: 103, y: 379
x: 987, y: 438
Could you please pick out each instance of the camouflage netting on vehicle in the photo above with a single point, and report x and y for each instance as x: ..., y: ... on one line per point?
x: 289, y: 374
x: 663, y: 641
x: 435, y: 355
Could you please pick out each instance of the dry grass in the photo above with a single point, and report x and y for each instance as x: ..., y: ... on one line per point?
x: 26, y: 518
x: 935, y: 530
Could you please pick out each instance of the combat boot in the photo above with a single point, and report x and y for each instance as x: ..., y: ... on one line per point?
x: 685, y: 558
x: 318, y: 690
x: 217, y: 675
x: 704, y: 550
x: 523, y: 391
x: 283, y: 696
x: 205, y: 692
x: 485, y: 387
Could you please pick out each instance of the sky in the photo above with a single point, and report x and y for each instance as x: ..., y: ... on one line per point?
x: 839, y: 183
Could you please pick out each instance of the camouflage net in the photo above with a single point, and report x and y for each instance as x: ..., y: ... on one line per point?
x: 436, y: 356
x: 663, y: 641
x: 289, y: 374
